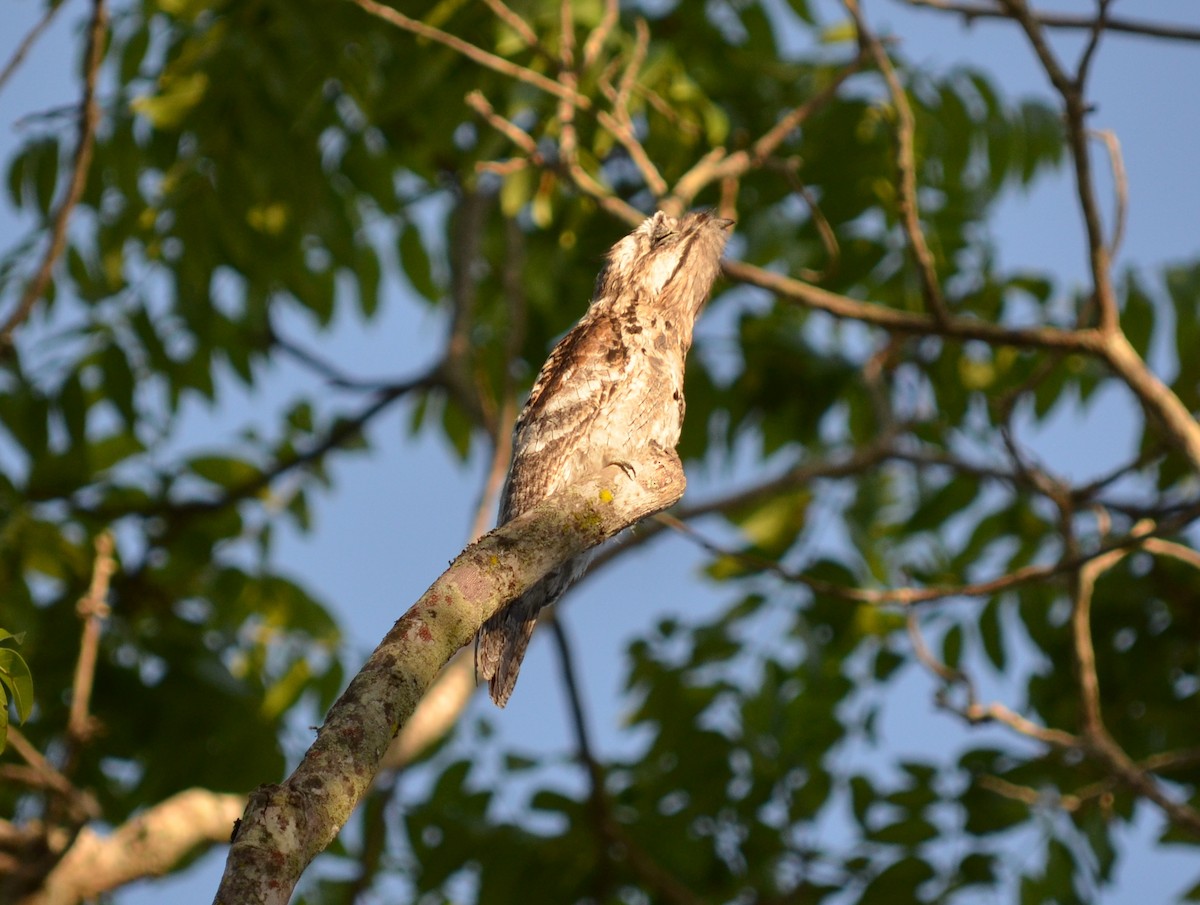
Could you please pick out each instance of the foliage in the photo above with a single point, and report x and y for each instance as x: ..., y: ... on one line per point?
x: 16, y: 684
x: 259, y: 162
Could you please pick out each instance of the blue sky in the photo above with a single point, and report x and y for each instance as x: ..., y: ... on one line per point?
x: 397, y: 514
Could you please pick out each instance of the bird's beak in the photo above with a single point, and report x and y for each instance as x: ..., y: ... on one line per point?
x: 723, y: 223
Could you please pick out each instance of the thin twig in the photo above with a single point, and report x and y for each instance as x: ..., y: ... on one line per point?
x: 1120, y: 186
x: 569, y: 77
x: 89, y: 118
x: 93, y: 610
x: 612, y: 836
x: 81, y: 804
x: 718, y: 165
x: 28, y: 41
x: 506, y: 127
x: 471, y: 52
x: 906, y: 166
x: 972, y: 11
x: 790, y: 169
x: 893, y: 319
x: 595, y: 41
x: 509, y: 17
x: 1027, y: 795
x: 620, y: 123
x: 999, y: 713
x: 1071, y: 89
x: 948, y: 674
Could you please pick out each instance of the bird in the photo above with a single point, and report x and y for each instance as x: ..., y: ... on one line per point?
x: 612, y: 386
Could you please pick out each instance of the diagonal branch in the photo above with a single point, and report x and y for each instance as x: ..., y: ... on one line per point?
x: 286, y: 826
x: 473, y: 53
x: 716, y: 165
x: 89, y: 118
x: 28, y: 41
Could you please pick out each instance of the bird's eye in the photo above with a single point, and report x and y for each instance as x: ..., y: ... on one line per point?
x: 660, y: 236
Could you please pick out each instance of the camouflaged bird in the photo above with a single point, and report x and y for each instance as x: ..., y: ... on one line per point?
x: 612, y: 386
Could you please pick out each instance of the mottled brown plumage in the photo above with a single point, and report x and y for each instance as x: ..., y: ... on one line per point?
x: 613, y: 385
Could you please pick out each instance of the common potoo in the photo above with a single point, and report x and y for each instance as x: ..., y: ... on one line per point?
x: 612, y: 385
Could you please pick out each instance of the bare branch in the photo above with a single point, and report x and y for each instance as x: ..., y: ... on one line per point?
x: 1160, y: 403
x: 972, y: 11
x: 619, y: 122
x: 93, y: 610
x: 1027, y: 795
x: 506, y: 127
x: 28, y: 41
x: 595, y: 41
x: 998, y: 713
x: 525, y: 32
x: 717, y: 165
x: 89, y: 118
x: 1120, y: 186
x: 568, y: 76
x: 81, y: 805
x: 1071, y: 89
x: 1159, y: 547
x: 473, y: 53
x: 906, y: 166
x: 898, y: 321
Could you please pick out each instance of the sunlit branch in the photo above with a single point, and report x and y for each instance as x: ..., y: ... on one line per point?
x: 287, y: 825
x: 1120, y: 186
x: 92, y: 610
x: 897, y: 321
x: 472, y: 52
x: 595, y: 41
x: 718, y: 164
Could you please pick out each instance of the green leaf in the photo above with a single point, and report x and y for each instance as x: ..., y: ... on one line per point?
x: 46, y: 174
x: 897, y: 883
x: 414, y: 261
x: 119, y: 382
x: 18, y: 680
x: 225, y: 471
x: 952, y: 646
x: 992, y: 633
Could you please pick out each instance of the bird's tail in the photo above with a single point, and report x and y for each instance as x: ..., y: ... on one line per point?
x: 500, y: 648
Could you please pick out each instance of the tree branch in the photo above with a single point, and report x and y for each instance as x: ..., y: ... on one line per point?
x: 906, y: 167
x: 151, y: 844
x: 612, y: 836
x: 973, y: 11
x: 473, y: 53
x: 92, y: 609
x: 897, y: 321
x: 89, y: 118
x: 27, y: 42
x: 286, y: 826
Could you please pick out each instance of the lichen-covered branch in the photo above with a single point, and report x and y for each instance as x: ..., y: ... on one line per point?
x: 285, y: 826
